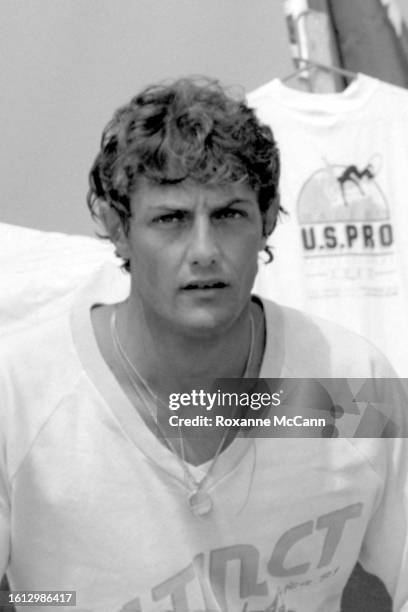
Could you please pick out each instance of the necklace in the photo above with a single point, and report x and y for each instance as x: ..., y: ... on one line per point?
x: 199, y: 500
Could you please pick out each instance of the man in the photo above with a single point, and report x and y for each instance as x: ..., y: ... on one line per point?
x: 104, y: 488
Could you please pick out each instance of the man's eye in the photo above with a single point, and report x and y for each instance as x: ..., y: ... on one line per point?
x: 230, y: 213
x: 170, y: 218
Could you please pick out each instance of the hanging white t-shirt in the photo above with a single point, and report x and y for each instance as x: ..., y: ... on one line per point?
x: 41, y: 270
x: 342, y: 253
x: 92, y: 502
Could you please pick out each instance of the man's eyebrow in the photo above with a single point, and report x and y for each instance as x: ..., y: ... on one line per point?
x: 238, y: 200
x: 176, y: 207
x: 169, y: 208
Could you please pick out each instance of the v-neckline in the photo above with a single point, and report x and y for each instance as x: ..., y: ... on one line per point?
x: 113, y: 289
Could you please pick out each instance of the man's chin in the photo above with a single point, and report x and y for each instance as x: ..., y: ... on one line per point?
x: 202, y: 323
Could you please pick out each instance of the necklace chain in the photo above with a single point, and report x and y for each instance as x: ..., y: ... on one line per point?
x: 132, y: 372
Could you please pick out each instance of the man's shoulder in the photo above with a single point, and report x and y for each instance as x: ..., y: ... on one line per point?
x: 38, y: 367
x: 314, y: 346
x: 323, y: 354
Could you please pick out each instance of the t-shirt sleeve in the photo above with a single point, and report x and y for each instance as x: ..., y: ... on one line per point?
x: 385, y: 546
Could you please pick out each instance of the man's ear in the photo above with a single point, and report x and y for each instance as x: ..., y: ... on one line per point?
x: 113, y: 225
x: 269, y: 219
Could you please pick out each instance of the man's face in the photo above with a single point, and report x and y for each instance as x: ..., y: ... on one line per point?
x: 193, y: 253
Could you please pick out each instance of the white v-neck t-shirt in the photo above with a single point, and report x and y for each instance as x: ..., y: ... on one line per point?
x: 92, y: 502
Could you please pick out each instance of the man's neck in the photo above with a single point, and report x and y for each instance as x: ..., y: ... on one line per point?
x: 174, y: 365
x: 162, y: 353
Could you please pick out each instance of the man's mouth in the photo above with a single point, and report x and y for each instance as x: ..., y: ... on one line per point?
x: 205, y: 284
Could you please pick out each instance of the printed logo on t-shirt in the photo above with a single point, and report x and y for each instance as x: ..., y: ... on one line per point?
x: 239, y: 578
x: 346, y: 233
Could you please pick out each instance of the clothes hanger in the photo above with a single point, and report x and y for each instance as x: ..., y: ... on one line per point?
x: 312, y: 64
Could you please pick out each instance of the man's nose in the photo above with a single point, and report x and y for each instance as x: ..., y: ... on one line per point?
x: 203, y: 247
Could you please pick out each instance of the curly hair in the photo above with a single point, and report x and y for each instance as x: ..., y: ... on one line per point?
x: 188, y: 129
